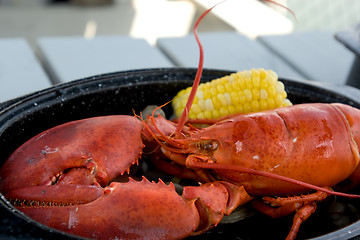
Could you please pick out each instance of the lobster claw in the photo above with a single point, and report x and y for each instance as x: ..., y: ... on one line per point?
x: 214, y: 200
x: 132, y: 210
x: 87, y: 151
x: 140, y: 210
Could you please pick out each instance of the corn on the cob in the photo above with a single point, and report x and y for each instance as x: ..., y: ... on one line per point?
x: 241, y: 92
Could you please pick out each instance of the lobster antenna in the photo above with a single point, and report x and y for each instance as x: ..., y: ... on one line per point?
x: 280, y: 5
x: 205, y: 165
x: 184, y: 116
x: 185, y: 113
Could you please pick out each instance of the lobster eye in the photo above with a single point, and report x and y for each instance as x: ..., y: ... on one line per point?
x: 208, y: 145
x: 213, y: 145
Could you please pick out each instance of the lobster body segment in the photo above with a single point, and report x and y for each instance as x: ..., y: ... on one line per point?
x: 293, y: 142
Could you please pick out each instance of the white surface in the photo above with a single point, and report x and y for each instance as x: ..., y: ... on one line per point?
x: 161, y: 18
x: 71, y: 58
x: 317, y: 55
x: 147, y: 19
x: 249, y: 17
x: 20, y: 71
x: 225, y: 50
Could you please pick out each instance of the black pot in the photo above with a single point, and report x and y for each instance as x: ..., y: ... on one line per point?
x: 123, y: 92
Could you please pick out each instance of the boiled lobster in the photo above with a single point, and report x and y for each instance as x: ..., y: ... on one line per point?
x: 68, y: 176
x: 65, y: 171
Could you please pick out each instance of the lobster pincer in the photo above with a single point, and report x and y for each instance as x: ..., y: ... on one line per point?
x: 137, y: 210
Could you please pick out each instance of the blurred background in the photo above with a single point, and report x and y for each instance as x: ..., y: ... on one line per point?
x: 153, y: 19
x: 133, y: 34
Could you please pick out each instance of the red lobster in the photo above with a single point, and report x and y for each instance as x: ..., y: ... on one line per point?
x: 64, y: 177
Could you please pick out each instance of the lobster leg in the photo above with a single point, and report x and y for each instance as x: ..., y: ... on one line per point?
x: 181, y: 171
x: 301, y: 216
x: 314, y: 197
x: 302, y: 213
x: 303, y: 206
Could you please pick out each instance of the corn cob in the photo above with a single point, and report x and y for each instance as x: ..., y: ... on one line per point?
x: 241, y: 92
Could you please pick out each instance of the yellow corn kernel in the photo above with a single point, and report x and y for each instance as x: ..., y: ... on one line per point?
x: 182, y: 92
x: 192, y: 115
x: 216, y: 102
x: 271, y: 103
x: 231, y: 109
x: 263, y: 104
x: 247, y: 107
x: 201, y: 105
x: 222, y: 99
x: 228, y: 87
x: 209, y: 105
x: 235, y: 99
x: 248, y: 94
x: 241, y: 82
x: 286, y: 103
x: 255, y: 106
x: 179, y: 111
x: 200, y: 94
x: 280, y: 87
x: 248, y: 82
x: 255, y: 79
x: 263, y: 83
x: 207, y: 94
x: 262, y: 73
x: 255, y: 94
x: 213, y: 91
x: 263, y: 94
x: 200, y: 116
x: 227, y: 98
x: 207, y: 115
x: 279, y: 100
x: 195, y: 109
x: 236, y: 86
x: 241, y: 92
x: 242, y: 97
x: 223, y: 111
x: 271, y: 90
x: 220, y: 88
x: 239, y: 108
x: 216, y: 114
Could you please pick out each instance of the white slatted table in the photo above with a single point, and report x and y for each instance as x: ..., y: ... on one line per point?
x: 313, y: 56
x: 225, y: 50
x: 70, y: 58
x: 317, y: 55
x: 20, y: 71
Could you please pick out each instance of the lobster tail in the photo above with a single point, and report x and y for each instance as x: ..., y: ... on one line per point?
x: 352, y: 116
